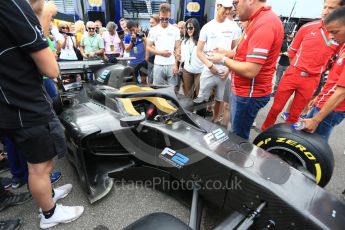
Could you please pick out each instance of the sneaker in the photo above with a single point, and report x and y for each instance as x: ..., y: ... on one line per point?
x: 61, y: 192
x: 5, y: 182
x: 302, y: 116
x: 284, y: 115
x: 10, y: 224
x: 9, y: 199
x: 62, y: 214
x: 55, y: 177
x: 17, y: 182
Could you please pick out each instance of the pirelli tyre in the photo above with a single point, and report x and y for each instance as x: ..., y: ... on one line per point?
x: 299, y: 148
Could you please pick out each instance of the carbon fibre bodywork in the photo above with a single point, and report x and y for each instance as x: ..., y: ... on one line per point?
x: 107, y: 145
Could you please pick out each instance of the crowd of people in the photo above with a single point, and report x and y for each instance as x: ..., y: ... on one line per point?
x: 228, y: 63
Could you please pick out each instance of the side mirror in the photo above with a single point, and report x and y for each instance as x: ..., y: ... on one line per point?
x: 132, y: 121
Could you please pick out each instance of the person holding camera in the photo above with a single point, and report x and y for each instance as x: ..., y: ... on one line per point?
x: 66, y: 43
x: 135, y: 45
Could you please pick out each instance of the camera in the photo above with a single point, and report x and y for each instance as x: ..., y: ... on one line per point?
x: 68, y: 34
x: 140, y: 34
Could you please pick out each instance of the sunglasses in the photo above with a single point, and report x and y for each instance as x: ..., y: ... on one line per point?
x: 64, y: 28
x: 91, y: 28
x: 164, y: 19
x: 190, y: 28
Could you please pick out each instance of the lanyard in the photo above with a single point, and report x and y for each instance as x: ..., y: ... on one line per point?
x: 191, y: 50
x: 328, y: 42
x: 91, y: 42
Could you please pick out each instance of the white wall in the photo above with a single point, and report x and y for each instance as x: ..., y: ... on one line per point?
x: 303, y: 9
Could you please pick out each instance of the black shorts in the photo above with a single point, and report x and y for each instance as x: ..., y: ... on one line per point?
x: 40, y: 143
x: 140, y: 68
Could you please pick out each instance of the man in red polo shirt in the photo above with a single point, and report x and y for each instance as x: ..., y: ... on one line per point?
x: 329, y: 107
x: 309, y: 54
x: 254, y: 63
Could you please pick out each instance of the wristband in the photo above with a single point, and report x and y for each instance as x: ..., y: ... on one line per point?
x: 210, y: 66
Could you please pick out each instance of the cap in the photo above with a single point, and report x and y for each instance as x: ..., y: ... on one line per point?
x: 225, y: 3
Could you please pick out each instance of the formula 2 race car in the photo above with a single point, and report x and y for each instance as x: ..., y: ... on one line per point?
x: 146, y: 134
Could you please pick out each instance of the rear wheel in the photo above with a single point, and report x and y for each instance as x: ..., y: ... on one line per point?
x: 299, y: 149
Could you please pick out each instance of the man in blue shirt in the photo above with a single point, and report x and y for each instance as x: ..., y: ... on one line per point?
x: 135, y: 45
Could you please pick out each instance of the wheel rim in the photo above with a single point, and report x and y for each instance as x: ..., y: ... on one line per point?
x: 288, y: 156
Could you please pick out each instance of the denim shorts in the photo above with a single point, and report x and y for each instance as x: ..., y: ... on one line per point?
x: 40, y: 143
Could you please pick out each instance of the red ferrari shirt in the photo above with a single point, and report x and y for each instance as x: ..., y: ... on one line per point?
x: 261, y: 44
x: 311, y: 49
x: 336, y: 78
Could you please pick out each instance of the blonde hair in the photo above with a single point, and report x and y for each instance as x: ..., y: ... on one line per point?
x: 63, y: 23
x: 79, y: 26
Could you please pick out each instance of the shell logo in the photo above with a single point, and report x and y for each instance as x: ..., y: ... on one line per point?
x: 193, y: 7
x: 97, y: 3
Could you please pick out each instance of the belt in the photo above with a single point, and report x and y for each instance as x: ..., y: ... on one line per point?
x: 306, y: 74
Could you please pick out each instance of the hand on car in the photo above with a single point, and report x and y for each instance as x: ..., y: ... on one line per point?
x: 310, y: 125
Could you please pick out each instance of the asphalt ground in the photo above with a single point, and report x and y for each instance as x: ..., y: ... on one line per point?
x: 125, y: 204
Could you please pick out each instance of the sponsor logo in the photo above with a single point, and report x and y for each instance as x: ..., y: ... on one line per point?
x: 215, y: 138
x: 193, y: 7
x: 174, y: 158
x: 259, y: 50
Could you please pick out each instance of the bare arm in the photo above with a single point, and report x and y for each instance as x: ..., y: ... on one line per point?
x: 246, y: 69
x: 152, y: 49
x: 200, y: 53
x: 46, y: 63
x: 338, y: 97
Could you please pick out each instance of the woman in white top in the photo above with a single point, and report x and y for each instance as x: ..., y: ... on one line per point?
x: 192, y: 66
x: 66, y: 43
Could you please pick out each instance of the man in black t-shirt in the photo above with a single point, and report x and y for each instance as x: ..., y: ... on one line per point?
x: 26, y: 112
x: 284, y: 61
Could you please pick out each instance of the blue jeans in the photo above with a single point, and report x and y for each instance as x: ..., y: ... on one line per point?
x: 18, y: 163
x: 50, y: 88
x: 244, y: 111
x: 326, y: 125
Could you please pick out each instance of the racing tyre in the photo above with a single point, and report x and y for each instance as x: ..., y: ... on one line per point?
x: 299, y: 148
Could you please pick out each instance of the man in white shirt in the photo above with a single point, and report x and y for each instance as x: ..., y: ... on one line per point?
x: 219, y: 35
x: 162, y: 41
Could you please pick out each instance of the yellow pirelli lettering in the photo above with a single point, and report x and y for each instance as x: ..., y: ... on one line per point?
x: 309, y: 155
x: 281, y: 140
x: 264, y: 142
x: 318, y: 173
x: 291, y: 142
x: 301, y: 147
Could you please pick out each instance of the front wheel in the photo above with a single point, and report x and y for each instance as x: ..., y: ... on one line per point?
x: 299, y: 148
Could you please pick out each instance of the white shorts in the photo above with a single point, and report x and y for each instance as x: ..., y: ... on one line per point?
x: 208, y: 82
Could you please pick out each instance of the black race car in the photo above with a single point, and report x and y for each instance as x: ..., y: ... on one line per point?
x: 149, y: 134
